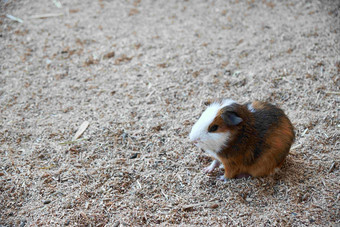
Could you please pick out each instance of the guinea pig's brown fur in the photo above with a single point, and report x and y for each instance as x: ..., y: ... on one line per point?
x: 257, y: 145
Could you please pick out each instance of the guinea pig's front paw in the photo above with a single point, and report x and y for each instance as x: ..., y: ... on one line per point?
x: 212, y: 166
x: 222, y: 178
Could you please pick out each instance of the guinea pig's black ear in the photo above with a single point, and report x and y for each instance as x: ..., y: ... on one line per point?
x: 231, y: 118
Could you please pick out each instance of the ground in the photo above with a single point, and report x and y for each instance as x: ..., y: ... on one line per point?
x: 141, y: 73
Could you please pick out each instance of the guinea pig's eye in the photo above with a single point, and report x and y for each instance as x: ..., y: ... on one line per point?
x: 213, y: 128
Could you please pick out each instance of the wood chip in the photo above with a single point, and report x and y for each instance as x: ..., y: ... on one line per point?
x: 214, y: 206
x: 133, y: 156
x: 109, y: 55
x: 133, y: 12
x: 47, y: 201
x: 81, y: 130
x: 57, y: 3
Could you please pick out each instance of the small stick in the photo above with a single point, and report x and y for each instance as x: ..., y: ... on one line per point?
x: 43, y: 16
x: 332, y: 167
x: 164, y: 194
x: 14, y: 18
x: 304, y: 132
x: 295, y: 147
x: 186, y: 207
x: 204, y: 204
x: 178, y: 176
x: 140, y: 186
x: 317, y: 97
x: 333, y: 92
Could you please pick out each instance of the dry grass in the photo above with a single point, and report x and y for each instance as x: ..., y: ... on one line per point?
x: 133, y: 165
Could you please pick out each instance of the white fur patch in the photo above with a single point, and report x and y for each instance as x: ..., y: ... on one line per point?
x: 212, y: 154
x: 212, y: 143
x: 227, y: 102
x: 250, y: 108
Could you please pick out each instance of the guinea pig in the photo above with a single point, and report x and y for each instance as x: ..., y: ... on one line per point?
x: 250, y: 139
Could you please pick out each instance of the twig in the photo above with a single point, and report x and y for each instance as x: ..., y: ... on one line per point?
x: 14, y: 18
x: 317, y: 98
x: 332, y: 167
x: 295, y: 147
x: 332, y: 92
x: 304, y: 132
x: 140, y: 186
x: 187, y: 207
x: 164, y: 194
x: 43, y: 16
x: 204, y: 204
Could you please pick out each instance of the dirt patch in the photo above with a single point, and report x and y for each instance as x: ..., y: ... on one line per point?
x: 140, y: 72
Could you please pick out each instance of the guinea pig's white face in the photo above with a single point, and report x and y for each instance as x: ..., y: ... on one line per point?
x: 210, y: 141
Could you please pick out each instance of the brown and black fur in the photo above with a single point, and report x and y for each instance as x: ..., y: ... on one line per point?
x: 259, y: 143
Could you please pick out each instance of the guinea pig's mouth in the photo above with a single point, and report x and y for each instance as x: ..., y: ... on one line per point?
x: 202, y: 145
x: 197, y: 144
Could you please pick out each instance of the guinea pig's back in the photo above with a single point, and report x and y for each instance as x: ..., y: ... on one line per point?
x: 275, y: 133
